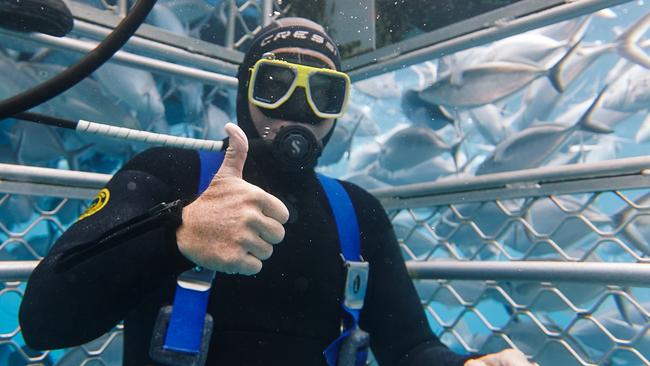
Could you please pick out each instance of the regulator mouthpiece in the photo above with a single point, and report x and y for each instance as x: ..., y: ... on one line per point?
x: 295, y: 148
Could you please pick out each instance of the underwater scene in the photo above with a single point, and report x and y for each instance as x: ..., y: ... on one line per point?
x: 570, y: 93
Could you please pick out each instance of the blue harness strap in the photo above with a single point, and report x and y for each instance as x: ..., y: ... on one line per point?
x: 185, y: 330
x: 347, y: 226
x: 186, y: 333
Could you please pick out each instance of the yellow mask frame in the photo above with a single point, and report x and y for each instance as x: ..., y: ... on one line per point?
x: 301, y: 73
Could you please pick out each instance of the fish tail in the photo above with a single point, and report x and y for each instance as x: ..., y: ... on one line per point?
x: 627, y: 44
x: 455, y: 149
x: 555, y: 72
x: 580, y: 31
x: 587, y: 123
x: 466, y: 167
x: 643, y: 134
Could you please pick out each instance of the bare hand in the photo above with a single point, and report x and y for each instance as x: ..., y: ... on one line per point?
x: 233, y: 225
x: 508, y: 357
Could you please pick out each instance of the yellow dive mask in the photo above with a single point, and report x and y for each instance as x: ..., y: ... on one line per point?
x: 273, y: 82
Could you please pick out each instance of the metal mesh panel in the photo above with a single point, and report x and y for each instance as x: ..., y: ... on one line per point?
x: 553, y: 323
x: 590, y: 323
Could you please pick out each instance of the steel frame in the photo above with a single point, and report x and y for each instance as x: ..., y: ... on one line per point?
x: 589, y: 177
x: 628, y: 173
x: 500, y: 23
x: 176, y: 49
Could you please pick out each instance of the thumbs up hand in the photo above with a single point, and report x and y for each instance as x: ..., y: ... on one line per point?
x: 233, y: 225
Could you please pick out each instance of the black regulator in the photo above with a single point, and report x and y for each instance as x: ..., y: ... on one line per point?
x: 293, y: 149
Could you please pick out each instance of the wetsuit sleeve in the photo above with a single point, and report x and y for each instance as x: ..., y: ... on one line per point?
x: 392, y: 313
x: 105, y: 263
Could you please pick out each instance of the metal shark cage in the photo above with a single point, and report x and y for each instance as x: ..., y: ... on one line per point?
x: 548, y: 292
x: 552, y: 261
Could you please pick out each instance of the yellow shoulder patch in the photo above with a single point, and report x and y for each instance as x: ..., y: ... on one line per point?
x: 98, y: 203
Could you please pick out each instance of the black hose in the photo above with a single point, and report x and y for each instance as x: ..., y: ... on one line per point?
x: 83, y: 68
x: 46, y: 120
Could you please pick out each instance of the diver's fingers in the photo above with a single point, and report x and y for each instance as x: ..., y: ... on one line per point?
x: 250, y: 265
x: 258, y: 248
x: 270, y: 230
x: 274, y: 208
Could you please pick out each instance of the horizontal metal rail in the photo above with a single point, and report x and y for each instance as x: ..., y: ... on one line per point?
x: 33, y: 174
x: 11, y: 271
x: 36, y: 181
x: 620, y: 274
x: 221, y: 56
x: 126, y: 58
x: 628, y: 173
x: 158, y: 50
x: 453, y: 38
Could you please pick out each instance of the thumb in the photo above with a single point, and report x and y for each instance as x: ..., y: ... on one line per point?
x: 233, y: 162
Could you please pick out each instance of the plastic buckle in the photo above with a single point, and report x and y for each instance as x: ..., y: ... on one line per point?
x: 184, y: 347
x: 160, y: 354
x: 356, y: 284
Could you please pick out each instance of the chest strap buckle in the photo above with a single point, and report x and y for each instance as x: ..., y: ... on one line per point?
x: 356, y: 284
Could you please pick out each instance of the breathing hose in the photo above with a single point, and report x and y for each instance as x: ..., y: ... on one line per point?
x: 122, y: 133
x: 83, y: 68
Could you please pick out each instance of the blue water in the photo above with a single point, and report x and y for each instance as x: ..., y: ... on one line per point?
x: 20, y: 215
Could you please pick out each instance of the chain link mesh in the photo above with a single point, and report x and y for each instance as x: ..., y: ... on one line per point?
x: 553, y: 323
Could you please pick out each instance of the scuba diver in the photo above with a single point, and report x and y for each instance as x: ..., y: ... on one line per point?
x: 262, y: 220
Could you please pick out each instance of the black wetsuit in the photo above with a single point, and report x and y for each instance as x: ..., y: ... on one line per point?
x: 93, y: 277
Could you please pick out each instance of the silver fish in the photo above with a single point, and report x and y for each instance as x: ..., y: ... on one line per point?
x: 214, y: 121
x: 492, y: 124
x: 362, y: 114
x: 533, y: 46
x: 163, y: 17
x: 559, y: 31
x: 630, y: 92
x: 416, y: 242
x: 628, y: 45
x: 36, y: 144
x: 487, y: 83
x: 191, y: 93
x: 643, y: 135
x: 362, y: 156
x: 577, y: 111
x: 189, y: 11
x: 134, y: 87
x: 381, y: 87
x: 340, y: 143
x: 591, y: 337
x: 528, y: 293
x: 86, y: 100
x: 425, y: 171
x: 565, y: 229
x: 412, y: 145
x: 458, y: 61
x: 533, y: 146
x: 426, y: 73
x: 364, y: 180
x: 13, y: 82
x: 424, y: 113
x: 636, y: 231
x: 16, y: 210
